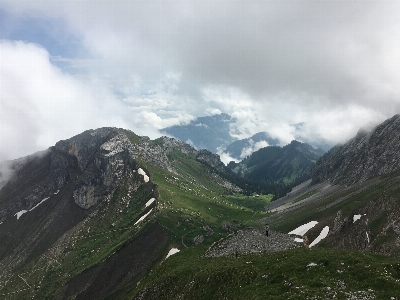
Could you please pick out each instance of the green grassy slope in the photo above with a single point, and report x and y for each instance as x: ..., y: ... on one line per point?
x: 339, y: 273
x: 195, y: 199
x: 284, y: 275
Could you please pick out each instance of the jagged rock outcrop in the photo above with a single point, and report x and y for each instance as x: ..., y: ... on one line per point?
x: 367, y: 155
x: 103, y: 158
x: 211, y: 159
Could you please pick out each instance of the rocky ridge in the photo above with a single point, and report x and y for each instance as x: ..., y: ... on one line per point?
x: 367, y: 155
x: 95, y: 161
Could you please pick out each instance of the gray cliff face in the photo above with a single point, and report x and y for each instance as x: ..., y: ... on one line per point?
x: 103, y: 158
x: 92, y: 164
x: 363, y: 157
x: 212, y: 160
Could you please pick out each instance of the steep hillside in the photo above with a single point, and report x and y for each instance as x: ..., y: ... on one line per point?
x: 367, y: 155
x: 278, y: 164
x: 92, y: 215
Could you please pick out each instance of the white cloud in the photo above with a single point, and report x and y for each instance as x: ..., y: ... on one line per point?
x: 332, y: 65
x: 225, y: 157
x: 41, y: 105
x: 253, y: 148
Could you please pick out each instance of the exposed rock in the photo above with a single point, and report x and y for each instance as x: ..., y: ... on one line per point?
x: 198, y: 240
x: 211, y: 159
x: 337, y: 223
x: 227, y: 226
x: 251, y: 241
x: 209, y: 231
x: 366, y: 155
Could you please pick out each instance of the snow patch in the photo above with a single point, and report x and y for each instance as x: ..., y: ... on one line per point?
x: 57, y: 192
x: 301, y: 230
x: 172, y: 252
x: 322, y: 235
x: 297, y: 240
x: 141, y: 172
x: 143, y: 217
x: 357, y: 217
x: 20, y: 213
x: 150, y: 201
x: 39, y: 203
x: 312, y: 264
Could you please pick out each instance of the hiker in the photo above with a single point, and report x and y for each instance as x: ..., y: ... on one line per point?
x: 266, y: 229
x: 306, y: 241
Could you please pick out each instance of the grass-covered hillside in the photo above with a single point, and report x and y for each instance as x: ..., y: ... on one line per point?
x: 195, y: 201
x: 341, y: 266
x: 294, y: 274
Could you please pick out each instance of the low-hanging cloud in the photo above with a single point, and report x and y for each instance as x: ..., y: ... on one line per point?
x: 332, y: 65
x: 41, y: 105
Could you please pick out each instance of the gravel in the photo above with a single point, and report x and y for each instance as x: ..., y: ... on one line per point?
x: 251, y: 241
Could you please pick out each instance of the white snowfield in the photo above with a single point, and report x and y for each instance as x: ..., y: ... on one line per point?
x: 143, y: 217
x: 322, y: 235
x: 20, y: 213
x: 172, y: 252
x: 150, y: 202
x: 301, y: 230
x: 39, y: 203
x: 357, y: 217
x: 141, y: 172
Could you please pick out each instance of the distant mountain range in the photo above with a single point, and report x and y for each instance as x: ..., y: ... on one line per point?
x: 213, y: 133
x: 286, y: 165
x: 241, y: 148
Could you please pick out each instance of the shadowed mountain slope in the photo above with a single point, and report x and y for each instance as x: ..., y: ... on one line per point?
x: 366, y: 155
x: 284, y: 165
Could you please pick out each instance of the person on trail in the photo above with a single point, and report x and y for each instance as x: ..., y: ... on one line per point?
x: 306, y: 241
x: 266, y: 229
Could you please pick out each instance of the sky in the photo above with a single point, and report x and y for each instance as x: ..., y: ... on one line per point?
x: 68, y: 66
